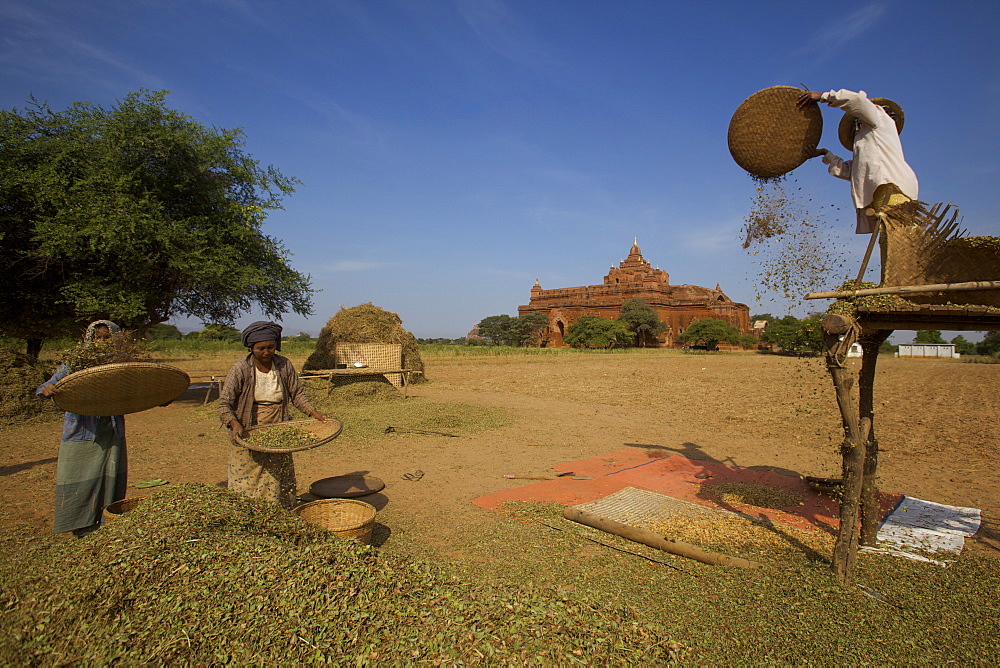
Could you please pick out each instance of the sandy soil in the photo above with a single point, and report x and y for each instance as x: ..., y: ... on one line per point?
x: 938, y: 422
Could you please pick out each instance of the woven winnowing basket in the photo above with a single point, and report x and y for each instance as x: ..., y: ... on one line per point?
x: 347, y: 518
x: 769, y: 135
x: 375, y: 355
x: 921, y: 246
x: 119, y: 389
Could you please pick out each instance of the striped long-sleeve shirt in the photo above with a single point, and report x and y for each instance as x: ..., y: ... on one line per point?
x: 236, y: 397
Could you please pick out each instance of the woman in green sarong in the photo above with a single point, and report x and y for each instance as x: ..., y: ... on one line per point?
x: 93, y: 466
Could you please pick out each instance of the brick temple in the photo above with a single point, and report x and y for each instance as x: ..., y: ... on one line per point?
x: 676, y: 305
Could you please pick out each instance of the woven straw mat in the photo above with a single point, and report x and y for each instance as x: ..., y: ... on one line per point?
x: 769, y: 135
x: 119, y: 389
x: 375, y: 355
x: 639, y: 507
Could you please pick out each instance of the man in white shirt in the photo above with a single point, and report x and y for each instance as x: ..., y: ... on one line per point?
x: 870, y: 129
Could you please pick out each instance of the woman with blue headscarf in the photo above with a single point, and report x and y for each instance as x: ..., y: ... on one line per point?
x: 257, y: 390
x: 92, y: 470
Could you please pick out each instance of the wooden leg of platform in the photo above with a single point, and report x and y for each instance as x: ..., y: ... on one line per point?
x: 870, y: 343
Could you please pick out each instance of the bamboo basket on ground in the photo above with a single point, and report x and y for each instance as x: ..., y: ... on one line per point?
x: 118, y: 508
x: 347, y: 518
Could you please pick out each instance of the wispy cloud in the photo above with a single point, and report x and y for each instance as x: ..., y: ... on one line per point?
x: 44, y: 47
x: 498, y: 28
x: 830, y: 40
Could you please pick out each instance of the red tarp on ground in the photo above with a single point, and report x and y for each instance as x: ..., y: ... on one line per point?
x: 677, y: 476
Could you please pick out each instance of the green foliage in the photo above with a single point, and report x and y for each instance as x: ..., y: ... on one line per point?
x: 793, y: 335
x: 594, y: 332
x: 963, y: 346
x: 443, y: 341
x: 164, y: 332
x: 528, y: 329
x: 135, y: 213
x: 887, y: 348
x: 497, y: 329
x: 301, y: 336
x: 505, y: 330
x: 929, y: 336
x: 990, y: 345
x: 643, y: 320
x: 710, y: 332
x: 216, y: 332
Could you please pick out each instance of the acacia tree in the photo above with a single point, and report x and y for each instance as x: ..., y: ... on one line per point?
x: 594, y: 332
x: 496, y: 329
x: 136, y: 213
x: 527, y: 329
x: 643, y: 320
x: 928, y: 336
x: 711, y: 331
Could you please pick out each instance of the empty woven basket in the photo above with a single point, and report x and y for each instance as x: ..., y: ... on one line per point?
x: 119, y: 389
x: 347, y: 518
x: 118, y: 508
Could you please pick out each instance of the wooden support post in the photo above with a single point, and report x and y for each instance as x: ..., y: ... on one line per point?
x: 838, y: 334
x: 859, y: 498
x: 870, y: 343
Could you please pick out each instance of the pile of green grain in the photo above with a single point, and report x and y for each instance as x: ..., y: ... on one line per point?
x: 849, y: 306
x: 280, y: 437
x: 366, y: 323
x: 120, y: 347
x: 199, y: 575
x: 20, y: 376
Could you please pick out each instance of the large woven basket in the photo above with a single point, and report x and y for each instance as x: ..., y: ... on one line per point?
x: 324, y: 432
x: 769, y: 135
x: 347, y: 518
x: 118, y: 508
x: 923, y: 245
x: 119, y: 389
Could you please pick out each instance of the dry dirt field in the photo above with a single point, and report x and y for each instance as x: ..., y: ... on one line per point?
x: 938, y: 423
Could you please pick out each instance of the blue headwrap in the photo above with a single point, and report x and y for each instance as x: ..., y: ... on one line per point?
x: 262, y: 330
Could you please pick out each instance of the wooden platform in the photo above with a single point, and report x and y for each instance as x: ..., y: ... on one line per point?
x: 956, y: 318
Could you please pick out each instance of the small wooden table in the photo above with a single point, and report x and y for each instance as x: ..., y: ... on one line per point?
x: 330, y: 374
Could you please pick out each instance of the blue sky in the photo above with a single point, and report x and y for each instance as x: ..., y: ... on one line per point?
x: 453, y: 151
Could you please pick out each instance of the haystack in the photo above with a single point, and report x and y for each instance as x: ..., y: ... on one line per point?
x: 366, y: 323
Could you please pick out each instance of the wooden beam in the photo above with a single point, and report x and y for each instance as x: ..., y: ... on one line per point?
x: 906, y: 289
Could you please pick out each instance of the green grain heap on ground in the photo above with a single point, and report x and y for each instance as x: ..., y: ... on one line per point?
x: 201, y: 575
